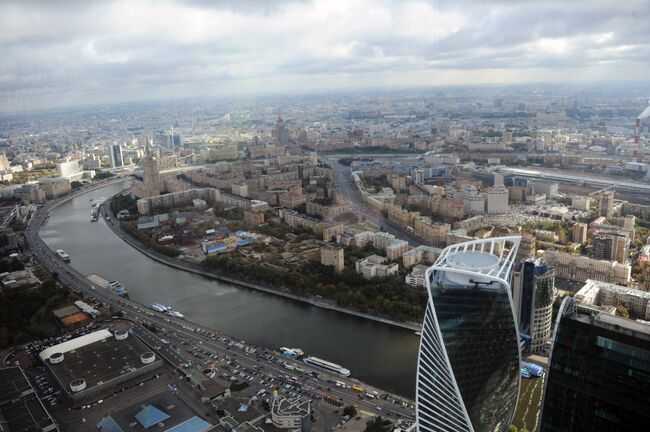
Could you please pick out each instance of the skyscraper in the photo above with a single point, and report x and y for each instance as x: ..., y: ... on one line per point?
x: 116, y: 156
x: 151, y: 175
x: 606, y: 204
x: 599, y: 373
x: 468, y: 368
x: 533, y: 292
x: 280, y: 132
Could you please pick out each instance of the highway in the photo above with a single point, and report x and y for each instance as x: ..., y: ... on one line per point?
x: 208, y: 339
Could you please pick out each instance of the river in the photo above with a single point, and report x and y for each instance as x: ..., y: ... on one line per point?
x: 376, y: 353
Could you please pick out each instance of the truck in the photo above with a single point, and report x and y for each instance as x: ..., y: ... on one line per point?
x: 357, y: 389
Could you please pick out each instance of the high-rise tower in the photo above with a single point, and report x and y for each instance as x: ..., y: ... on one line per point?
x: 533, y: 293
x: 280, y: 133
x: 599, y: 372
x: 116, y: 156
x: 151, y: 174
x: 468, y: 368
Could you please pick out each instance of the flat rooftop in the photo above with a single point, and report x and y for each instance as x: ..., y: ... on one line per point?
x: 99, y: 362
x: 177, y: 415
x: 19, y: 404
x: 614, y: 323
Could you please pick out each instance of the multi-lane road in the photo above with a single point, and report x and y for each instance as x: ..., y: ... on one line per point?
x: 208, y: 339
x: 341, y: 177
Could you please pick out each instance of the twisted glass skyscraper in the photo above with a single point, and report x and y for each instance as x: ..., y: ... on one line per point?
x: 468, y: 368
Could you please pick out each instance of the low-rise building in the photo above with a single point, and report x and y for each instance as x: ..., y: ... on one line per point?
x: 374, y: 266
x: 396, y: 248
x: 54, y: 187
x: 417, y: 255
x: 80, y: 368
x: 608, y: 295
x: 294, y: 414
x: 581, y: 268
x: 417, y: 276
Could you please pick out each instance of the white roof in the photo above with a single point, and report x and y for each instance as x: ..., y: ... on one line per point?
x: 75, y: 343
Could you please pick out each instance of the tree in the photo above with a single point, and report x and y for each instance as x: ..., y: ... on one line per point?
x: 350, y: 410
x: 378, y: 424
x: 622, y: 311
x: 513, y: 428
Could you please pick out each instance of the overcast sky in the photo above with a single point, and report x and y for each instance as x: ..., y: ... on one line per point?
x: 78, y: 52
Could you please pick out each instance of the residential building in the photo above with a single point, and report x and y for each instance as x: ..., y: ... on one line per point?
x: 579, y: 233
x: 396, y: 248
x: 431, y: 232
x: 240, y: 189
x: 581, y: 268
x: 333, y: 256
x: 54, y: 187
x: 468, y: 369
x: 253, y: 218
x: 611, y: 246
x: 178, y: 199
x: 4, y: 162
x: 606, y: 204
x: 608, y: 296
x: 152, y: 186
x: 375, y: 266
x: 533, y: 293
x: 581, y: 203
x: 497, y: 199
x: 474, y: 204
x: 599, y: 373
x: 417, y: 276
x: 417, y: 255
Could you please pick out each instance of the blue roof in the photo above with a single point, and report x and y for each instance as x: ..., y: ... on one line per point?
x: 107, y: 424
x: 150, y: 416
x: 217, y: 247
x: 195, y: 424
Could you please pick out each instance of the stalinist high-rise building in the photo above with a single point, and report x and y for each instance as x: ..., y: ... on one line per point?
x: 280, y: 133
x: 151, y: 176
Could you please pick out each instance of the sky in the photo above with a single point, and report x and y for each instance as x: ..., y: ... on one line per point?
x: 81, y: 52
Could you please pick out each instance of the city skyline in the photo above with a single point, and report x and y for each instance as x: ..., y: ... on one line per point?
x: 81, y: 53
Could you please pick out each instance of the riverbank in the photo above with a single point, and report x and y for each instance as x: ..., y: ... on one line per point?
x: 113, y: 224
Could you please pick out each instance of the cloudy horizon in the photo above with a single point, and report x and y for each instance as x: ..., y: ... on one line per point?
x: 75, y: 53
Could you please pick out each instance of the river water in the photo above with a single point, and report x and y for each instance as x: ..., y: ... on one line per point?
x: 376, y: 353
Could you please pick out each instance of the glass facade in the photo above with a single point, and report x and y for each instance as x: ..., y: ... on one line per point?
x: 468, y: 370
x: 599, y: 376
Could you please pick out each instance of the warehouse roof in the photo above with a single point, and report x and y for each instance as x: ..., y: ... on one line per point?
x: 75, y: 343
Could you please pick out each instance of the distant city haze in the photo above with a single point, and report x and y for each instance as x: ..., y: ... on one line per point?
x: 75, y: 53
